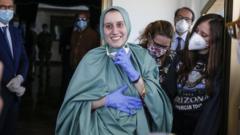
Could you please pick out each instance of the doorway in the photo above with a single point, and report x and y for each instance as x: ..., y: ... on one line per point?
x: 45, y: 90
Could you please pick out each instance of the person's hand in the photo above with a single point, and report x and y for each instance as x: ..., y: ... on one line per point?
x: 123, y: 103
x: 123, y: 60
x: 14, y: 85
x: 19, y: 90
x: 15, y: 82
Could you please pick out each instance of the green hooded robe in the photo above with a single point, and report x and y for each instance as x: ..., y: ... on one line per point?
x: 95, y: 77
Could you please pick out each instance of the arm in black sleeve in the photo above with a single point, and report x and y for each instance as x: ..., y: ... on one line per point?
x: 171, y: 80
x: 23, y: 63
x: 210, y: 119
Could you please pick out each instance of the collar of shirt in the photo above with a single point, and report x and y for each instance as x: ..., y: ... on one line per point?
x: 183, y: 37
x: 3, y: 25
x: 175, y: 40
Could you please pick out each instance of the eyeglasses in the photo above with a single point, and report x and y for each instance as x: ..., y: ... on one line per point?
x: 82, y: 19
x: 179, y: 17
x: 234, y: 28
x: 161, y: 45
x: 11, y: 7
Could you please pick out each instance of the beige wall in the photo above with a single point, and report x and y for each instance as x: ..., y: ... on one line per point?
x: 146, y: 11
x: 142, y: 12
x: 234, y: 94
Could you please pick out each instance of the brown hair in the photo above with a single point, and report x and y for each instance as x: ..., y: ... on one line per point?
x: 160, y: 27
x: 184, y: 8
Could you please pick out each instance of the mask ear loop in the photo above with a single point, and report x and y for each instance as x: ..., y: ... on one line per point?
x: 112, y: 54
x: 126, y: 48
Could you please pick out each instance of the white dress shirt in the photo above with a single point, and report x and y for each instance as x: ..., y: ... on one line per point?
x: 175, y: 41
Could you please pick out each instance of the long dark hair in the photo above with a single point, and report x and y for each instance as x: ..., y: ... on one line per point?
x: 215, y: 53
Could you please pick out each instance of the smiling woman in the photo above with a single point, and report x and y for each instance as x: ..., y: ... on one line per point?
x: 113, y: 98
x: 115, y: 31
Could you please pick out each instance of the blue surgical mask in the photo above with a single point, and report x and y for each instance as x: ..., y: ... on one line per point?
x: 81, y: 24
x: 6, y: 15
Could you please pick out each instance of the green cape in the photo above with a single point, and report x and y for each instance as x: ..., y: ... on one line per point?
x: 94, y: 78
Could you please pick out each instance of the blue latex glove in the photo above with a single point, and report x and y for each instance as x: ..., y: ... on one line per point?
x: 123, y: 103
x: 123, y: 60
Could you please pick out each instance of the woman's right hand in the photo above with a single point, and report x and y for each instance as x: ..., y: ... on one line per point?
x: 122, y: 59
x: 123, y: 103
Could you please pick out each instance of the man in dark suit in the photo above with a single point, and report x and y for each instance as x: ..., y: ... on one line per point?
x: 183, y: 19
x: 14, y: 58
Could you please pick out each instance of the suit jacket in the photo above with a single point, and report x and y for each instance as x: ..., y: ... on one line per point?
x: 17, y: 65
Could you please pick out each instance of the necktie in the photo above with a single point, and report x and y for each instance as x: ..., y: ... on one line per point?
x: 178, y: 44
x: 7, y: 40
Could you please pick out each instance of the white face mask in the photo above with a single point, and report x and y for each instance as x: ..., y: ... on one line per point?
x: 197, y: 42
x: 182, y: 26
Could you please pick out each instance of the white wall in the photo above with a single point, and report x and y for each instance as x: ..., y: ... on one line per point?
x: 142, y: 12
x: 195, y: 5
